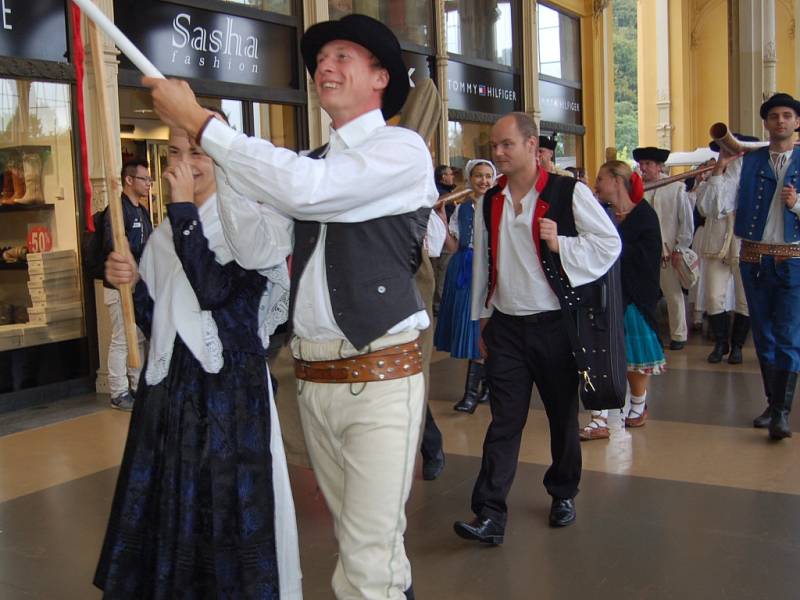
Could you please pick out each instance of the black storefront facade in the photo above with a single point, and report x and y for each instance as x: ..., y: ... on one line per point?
x: 242, y: 60
x: 46, y: 347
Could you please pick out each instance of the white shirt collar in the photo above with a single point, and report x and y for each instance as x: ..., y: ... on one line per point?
x: 358, y: 130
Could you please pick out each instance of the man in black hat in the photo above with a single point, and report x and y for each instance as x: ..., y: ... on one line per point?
x: 361, y: 213
x: 675, y: 217
x: 720, y: 253
x: 547, y: 156
x: 761, y: 187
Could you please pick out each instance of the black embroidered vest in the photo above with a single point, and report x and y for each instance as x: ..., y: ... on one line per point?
x: 370, y: 268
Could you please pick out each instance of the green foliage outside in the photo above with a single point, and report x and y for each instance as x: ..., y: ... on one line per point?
x: 626, y: 119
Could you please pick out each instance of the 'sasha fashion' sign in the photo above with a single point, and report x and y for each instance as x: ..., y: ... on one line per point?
x: 188, y: 42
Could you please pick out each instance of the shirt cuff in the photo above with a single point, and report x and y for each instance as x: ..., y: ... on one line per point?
x: 796, y: 208
x: 182, y: 211
x: 217, y: 139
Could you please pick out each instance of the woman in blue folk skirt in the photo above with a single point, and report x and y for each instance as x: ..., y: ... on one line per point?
x: 203, y: 507
x: 638, y: 226
x: 456, y: 332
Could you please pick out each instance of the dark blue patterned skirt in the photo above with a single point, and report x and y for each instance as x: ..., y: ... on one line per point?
x: 193, y: 512
x: 455, y: 332
x: 642, y: 347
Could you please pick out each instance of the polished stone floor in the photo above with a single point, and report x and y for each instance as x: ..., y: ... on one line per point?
x: 696, y: 504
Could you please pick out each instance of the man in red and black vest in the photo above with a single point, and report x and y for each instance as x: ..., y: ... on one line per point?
x: 524, y: 335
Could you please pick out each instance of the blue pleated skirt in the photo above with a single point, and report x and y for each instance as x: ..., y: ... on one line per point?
x: 642, y: 347
x: 455, y: 332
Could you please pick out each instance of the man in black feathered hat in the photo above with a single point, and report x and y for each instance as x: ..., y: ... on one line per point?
x: 674, y: 210
x: 361, y: 204
x: 761, y: 186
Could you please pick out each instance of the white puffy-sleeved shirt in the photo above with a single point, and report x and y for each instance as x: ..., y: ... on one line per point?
x: 522, y: 288
x: 674, y: 211
x: 436, y: 235
x: 370, y: 170
x: 718, y: 198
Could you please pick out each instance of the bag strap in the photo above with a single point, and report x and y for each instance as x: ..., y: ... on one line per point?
x: 578, y: 351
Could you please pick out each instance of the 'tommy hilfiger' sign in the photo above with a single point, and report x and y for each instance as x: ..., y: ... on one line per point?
x: 474, y: 88
x: 189, y: 42
x: 36, y: 30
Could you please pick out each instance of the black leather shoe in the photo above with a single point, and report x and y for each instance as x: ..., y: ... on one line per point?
x: 433, y: 467
x: 562, y: 512
x: 735, y: 357
x: 483, y: 530
x: 676, y: 345
x: 762, y: 420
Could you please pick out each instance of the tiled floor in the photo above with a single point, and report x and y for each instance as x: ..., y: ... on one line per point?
x: 697, y: 504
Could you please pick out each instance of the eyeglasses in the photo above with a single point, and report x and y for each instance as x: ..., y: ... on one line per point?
x: 147, y: 180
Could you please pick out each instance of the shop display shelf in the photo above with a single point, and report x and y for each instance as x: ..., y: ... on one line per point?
x: 7, y: 208
x: 17, y: 266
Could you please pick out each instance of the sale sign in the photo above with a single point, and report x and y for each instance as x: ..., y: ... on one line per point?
x: 39, y: 239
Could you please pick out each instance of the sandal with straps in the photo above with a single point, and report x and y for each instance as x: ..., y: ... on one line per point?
x: 638, y: 419
x: 597, y: 429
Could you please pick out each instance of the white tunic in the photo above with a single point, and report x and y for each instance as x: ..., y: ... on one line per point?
x: 674, y: 211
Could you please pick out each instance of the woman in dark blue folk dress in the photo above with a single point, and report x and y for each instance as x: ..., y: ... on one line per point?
x: 456, y: 332
x: 202, y: 507
x: 638, y: 227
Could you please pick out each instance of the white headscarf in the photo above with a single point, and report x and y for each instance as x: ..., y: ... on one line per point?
x: 479, y: 161
x: 176, y: 309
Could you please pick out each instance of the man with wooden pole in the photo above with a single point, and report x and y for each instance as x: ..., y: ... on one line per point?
x: 361, y: 206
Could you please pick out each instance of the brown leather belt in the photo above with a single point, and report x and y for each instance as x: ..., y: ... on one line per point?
x: 753, y: 251
x: 393, y: 362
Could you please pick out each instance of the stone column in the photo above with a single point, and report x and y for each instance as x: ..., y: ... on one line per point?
x: 530, y: 61
x: 442, y: 144
x: 663, y: 102
x: 315, y: 11
x: 769, y: 52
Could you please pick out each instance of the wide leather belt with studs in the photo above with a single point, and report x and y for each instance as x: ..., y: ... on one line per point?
x: 393, y: 362
x: 753, y: 251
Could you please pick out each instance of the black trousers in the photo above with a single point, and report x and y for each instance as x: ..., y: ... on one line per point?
x: 522, y: 353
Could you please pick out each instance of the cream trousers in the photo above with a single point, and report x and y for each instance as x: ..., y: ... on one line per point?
x: 362, y: 440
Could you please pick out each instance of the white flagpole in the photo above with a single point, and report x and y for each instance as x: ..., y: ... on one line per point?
x: 99, y: 18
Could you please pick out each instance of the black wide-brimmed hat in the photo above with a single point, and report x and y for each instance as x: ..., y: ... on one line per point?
x: 779, y: 99
x: 375, y: 37
x: 659, y: 155
x: 739, y: 136
x: 548, y: 142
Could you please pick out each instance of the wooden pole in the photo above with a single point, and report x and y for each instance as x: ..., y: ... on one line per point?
x: 111, y: 162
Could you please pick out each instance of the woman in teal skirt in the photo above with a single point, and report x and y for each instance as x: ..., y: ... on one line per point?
x: 456, y: 332
x: 639, y: 230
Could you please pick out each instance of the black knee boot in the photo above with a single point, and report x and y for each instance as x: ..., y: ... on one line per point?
x: 470, y: 400
x: 719, y: 327
x: 784, y: 383
x: 741, y: 327
x: 483, y: 394
x: 762, y: 420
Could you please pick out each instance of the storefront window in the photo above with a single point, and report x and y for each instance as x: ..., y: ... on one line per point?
x: 468, y: 140
x: 40, y: 281
x: 559, y: 44
x: 568, y: 149
x: 480, y: 29
x: 282, y: 7
x: 410, y: 20
x: 276, y: 123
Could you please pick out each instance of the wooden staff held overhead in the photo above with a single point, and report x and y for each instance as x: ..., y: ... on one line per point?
x: 111, y: 163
